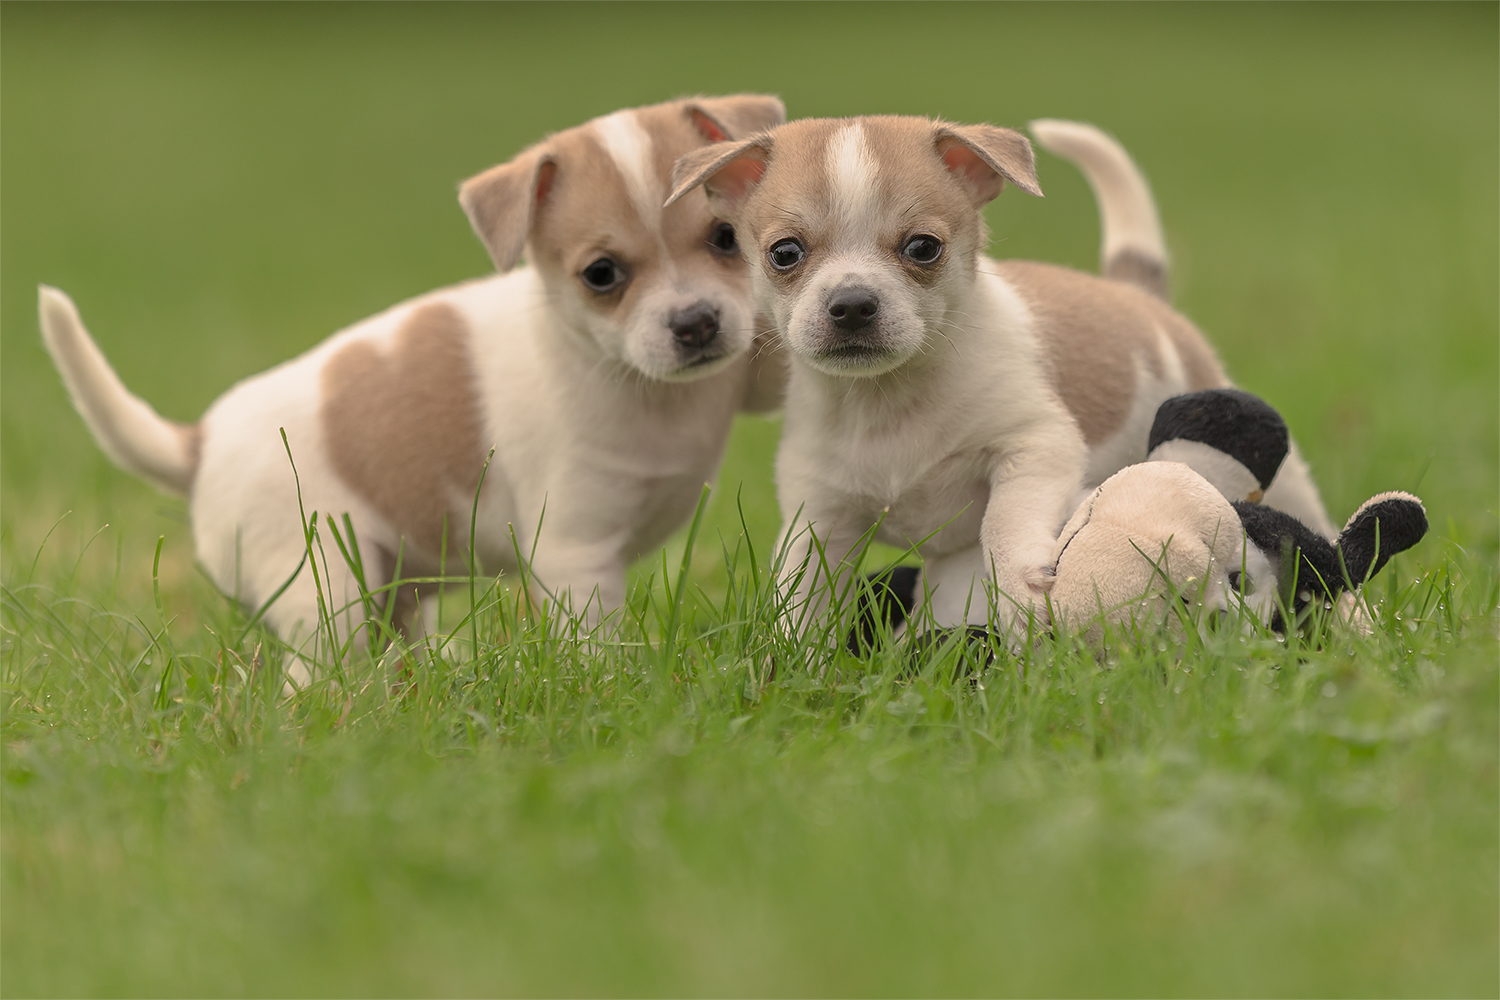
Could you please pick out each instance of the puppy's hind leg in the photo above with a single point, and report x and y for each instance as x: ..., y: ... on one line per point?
x: 317, y: 627
x: 1294, y: 492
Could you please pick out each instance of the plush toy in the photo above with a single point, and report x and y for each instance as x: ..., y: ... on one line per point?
x: 1185, y: 525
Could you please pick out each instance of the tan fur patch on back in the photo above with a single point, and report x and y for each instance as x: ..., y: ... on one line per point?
x: 1094, y: 331
x: 403, y: 428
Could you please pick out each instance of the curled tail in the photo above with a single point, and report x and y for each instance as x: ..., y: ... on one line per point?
x: 130, y: 432
x: 1133, y: 249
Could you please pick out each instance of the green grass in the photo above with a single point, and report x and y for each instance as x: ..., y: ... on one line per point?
x: 221, y: 186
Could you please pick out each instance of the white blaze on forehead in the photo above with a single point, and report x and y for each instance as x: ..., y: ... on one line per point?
x: 851, y: 171
x: 631, y: 148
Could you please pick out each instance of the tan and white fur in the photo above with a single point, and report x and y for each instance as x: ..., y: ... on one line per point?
x: 1134, y: 250
x: 607, y: 409
x: 964, y: 404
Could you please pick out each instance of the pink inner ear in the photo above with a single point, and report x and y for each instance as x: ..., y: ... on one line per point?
x: 707, y: 128
x: 972, y: 172
x: 734, y: 180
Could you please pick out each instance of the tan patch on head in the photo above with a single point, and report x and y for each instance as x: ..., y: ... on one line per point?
x: 403, y: 427
x: 686, y: 222
x: 591, y: 209
x: 1095, y: 331
x: 502, y: 203
x: 587, y: 204
x: 913, y: 190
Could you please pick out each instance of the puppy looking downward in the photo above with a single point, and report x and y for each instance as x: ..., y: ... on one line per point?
x: 605, y: 375
x: 963, y: 404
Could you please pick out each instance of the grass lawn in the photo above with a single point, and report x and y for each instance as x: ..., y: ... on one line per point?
x: 221, y: 186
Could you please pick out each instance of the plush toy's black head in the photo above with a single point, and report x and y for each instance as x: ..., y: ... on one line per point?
x: 1243, y: 426
x: 1309, y: 567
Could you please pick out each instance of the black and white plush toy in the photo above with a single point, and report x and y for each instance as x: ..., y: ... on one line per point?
x: 1186, y: 525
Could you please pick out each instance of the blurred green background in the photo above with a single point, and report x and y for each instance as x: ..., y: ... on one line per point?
x: 221, y: 186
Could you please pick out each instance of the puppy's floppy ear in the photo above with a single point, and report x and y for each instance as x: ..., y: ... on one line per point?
x: 738, y: 116
x: 727, y: 170
x: 501, y: 203
x: 983, y: 157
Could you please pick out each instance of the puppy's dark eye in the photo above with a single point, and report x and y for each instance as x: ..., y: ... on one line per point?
x: 786, y: 255
x: 1236, y: 579
x: 721, y: 238
x: 603, y: 275
x: 922, y: 249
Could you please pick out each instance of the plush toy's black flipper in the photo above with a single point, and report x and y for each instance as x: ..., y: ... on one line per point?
x: 1241, y: 425
x: 1383, y: 525
x: 894, y: 593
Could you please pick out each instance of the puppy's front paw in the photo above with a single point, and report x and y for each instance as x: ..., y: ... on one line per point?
x: 1022, y: 600
x: 1024, y: 585
x: 1039, y: 579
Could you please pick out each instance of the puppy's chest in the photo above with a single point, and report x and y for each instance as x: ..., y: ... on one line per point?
x: 657, y: 491
x: 648, y: 469
x: 917, y: 493
x: 657, y: 445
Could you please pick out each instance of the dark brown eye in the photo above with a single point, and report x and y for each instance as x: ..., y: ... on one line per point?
x: 603, y: 275
x: 922, y: 249
x: 786, y: 254
x: 721, y: 238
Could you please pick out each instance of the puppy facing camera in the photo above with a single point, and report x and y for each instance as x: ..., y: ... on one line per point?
x: 862, y: 255
x: 659, y: 290
x: 964, y: 405
x: 604, y: 375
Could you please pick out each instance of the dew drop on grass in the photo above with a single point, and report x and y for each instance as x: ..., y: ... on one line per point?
x: 1329, y: 689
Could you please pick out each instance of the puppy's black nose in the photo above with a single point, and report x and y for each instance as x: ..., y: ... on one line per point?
x: 853, y: 308
x: 695, y: 326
